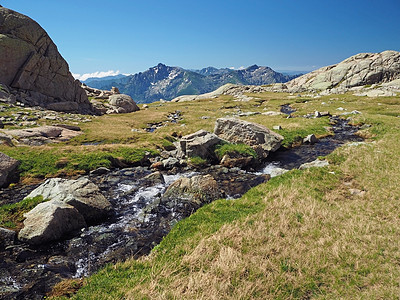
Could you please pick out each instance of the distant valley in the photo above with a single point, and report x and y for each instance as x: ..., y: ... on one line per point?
x: 165, y: 82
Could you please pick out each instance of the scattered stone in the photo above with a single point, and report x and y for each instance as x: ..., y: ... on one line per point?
x: 115, y: 90
x: 310, y: 139
x: 357, y: 192
x: 314, y: 164
x: 145, y: 106
x: 82, y: 194
x: 354, y: 112
x: 8, y: 170
x: 272, y: 113
x: 277, y: 127
x: 50, y: 221
x: 237, y: 161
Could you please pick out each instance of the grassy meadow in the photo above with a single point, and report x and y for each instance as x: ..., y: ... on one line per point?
x: 329, y: 233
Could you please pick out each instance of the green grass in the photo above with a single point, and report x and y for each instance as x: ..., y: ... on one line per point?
x: 198, y: 161
x: 12, y: 215
x: 43, y: 162
x: 233, y: 149
x: 301, y: 235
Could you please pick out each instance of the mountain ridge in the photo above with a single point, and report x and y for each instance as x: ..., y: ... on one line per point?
x: 166, y: 82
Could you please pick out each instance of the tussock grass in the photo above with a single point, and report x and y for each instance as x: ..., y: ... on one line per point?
x: 328, y: 233
x: 12, y: 215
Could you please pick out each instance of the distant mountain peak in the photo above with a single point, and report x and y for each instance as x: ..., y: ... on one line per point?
x: 165, y: 82
x: 252, y: 68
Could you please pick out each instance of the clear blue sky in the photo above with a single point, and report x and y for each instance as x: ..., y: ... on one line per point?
x: 132, y: 36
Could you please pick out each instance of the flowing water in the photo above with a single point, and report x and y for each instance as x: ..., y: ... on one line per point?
x: 140, y: 220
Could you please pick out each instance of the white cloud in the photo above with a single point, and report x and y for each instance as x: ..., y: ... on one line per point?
x: 242, y: 68
x: 98, y: 74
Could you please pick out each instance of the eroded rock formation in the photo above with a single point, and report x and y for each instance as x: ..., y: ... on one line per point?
x: 31, y: 64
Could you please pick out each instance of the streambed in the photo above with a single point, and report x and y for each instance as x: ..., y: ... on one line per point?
x: 140, y: 220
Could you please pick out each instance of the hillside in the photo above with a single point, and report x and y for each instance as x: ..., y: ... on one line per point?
x: 359, y: 71
x: 164, y: 82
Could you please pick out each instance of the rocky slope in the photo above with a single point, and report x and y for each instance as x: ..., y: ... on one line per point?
x: 32, y: 71
x: 361, y: 70
x: 164, y: 82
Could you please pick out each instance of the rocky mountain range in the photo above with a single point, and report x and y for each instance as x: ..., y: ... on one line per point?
x: 165, y: 82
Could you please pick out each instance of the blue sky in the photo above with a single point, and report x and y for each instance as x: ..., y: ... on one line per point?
x: 132, y: 36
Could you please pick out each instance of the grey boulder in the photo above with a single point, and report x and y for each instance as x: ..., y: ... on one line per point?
x: 82, y: 194
x: 259, y: 137
x: 123, y: 103
x: 190, y: 193
x: 201, y: 143
x: 50, y: 221
x: 8, y: 170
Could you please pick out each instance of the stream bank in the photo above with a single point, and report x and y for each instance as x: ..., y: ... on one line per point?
x: 140, y: 221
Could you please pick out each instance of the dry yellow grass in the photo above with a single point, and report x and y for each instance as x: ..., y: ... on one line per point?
x: 329, y: 233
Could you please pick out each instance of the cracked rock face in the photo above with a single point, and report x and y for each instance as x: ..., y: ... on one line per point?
x: 30, y: 62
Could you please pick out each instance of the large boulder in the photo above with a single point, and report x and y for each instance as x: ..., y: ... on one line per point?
x: 8, y: 170
x: 30, y: 62
x: 123, y: 103
x: 82, y: 194
x: 259, y: 137
x: 201, y: 143
x: 188, y: 194
x: 50, y: 221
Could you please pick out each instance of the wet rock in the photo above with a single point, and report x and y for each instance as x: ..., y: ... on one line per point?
x: 310, y: 139
x: 234, y: 182
x: 170, y: 163
x: 8, y: 170
x: 100, y: 171
x: 60, y: 264
x: 7, y: 237
x: 314, y: 164
x: 50, y: 221
x: 154, y: 179
x: 238, y: 160
x: 188, y: 194
x: 262, y: 139
x: 201, y: 143
x: 82, y: 194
